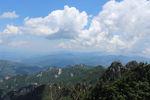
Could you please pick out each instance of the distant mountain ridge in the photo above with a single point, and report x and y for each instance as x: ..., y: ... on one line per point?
x: 11, y: 68
x: 64, y: 59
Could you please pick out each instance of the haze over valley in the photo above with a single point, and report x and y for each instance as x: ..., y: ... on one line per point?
x: 75, y: 50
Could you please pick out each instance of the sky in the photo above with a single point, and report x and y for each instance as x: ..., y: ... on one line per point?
x: 119, y: 27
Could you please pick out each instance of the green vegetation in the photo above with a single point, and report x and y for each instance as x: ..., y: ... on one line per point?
x: 9, y: 68
x: 118, y: 82
x: 134, y: 84
x: 66, y: 76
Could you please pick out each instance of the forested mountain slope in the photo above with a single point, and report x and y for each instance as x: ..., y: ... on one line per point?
x: 10, y: 68
x: 66, y: 76
x: 118, y: 82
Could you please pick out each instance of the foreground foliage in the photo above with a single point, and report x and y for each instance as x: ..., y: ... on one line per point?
x: 118, y: 82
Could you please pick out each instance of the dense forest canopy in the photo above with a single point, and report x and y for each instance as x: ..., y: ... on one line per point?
x: 81, y: 82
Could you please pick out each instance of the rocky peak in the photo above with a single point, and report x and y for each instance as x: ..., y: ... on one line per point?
x: 16, y: 95
x: 132, y: 64
x: 115, y: 67
x: 25, y: 90
x: 115, y: 71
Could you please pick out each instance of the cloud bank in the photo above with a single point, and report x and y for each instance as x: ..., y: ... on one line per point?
x: 120, y: 27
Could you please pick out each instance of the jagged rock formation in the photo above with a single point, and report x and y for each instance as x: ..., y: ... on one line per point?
x: 134, y: 83
x: 115, y: 71
x: 67, y: 76
x: 30, y: 92
x: 129, y: 82
x: 132, y: 64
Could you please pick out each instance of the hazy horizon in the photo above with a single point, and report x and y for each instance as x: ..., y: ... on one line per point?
x: 112, y: 27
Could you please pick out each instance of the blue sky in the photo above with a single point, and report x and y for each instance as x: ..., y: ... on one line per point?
x: 34, y: 8
x: 113, y: 26
x: 38, y: 8
x: 41, y: 8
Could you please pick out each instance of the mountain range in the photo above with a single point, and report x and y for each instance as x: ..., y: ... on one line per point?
x: 66, y: 58
x: 81, y: 82
x: 87, y: 58
x: 11, y: 68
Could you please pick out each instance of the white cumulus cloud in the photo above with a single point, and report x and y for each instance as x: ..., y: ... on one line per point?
x: 9, y: 15
x: 66, y: 23
x: 120, y: 26
x: 11, y: 30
